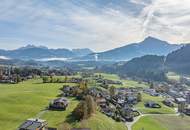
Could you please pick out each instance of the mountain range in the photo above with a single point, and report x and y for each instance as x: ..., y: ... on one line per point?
x: 149, y: 46
x: 31, y: 52
x: 154, y: 67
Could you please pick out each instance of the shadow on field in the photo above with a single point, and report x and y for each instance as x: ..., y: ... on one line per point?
x: 70, y: 119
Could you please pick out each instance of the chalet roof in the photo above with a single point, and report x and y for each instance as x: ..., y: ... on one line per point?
x: 33, y: 124
x: 60, y: 100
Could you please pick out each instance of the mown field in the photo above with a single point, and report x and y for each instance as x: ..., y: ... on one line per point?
x: 162, y: 122
x: 126, y: 83
x: 163, y: 110
x: 30, y: 100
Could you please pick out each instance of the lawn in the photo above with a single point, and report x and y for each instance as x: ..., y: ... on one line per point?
x: 126, y: 82
x: 162, y: 122
x: 25, y: 100
x: 30, y: 99
x: 148, y: 123
x: 101, y: 122
x: 163, y: 110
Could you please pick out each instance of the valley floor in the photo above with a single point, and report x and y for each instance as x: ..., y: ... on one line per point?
x: 31, y: 98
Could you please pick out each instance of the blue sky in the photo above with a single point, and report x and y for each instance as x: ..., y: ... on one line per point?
x: 96, y: 24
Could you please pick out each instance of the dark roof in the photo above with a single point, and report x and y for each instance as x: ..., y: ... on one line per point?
x: 64, y: 100
x: 33, y: 124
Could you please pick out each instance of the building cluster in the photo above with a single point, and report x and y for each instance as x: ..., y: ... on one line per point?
x: 176, y: 93
x: 118, y: 106
x: 9, y: 74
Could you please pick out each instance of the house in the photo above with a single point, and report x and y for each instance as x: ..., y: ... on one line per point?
x: 151, y: 92
x: 152, y: 104
x: 168, y: 102
x: 180, y: 100
x: 59, y: 103
x: 34, y: 124
x: 187, y: 111
x: 127, y: 114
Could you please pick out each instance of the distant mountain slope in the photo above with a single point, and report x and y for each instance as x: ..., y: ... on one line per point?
x: 82, y: 52
x: 179, y: 60
x: 150, y: 46
x: 31, y: 52
x: 150, y: 67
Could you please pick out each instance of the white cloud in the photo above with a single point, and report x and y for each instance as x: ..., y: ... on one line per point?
x: 75, y: 25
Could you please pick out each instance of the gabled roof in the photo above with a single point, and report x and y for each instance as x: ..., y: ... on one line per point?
x: 33, y: 124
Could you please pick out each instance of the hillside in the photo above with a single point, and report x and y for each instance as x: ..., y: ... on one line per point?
x: 31, y: 52
x: 178, y: 60
x: 149, y: 67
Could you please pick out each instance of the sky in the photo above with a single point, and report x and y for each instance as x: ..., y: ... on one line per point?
x: 96, y: 24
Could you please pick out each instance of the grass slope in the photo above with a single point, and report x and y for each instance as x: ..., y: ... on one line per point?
x: 163, y: 110
x: 25, y: 100
x: 101, y: 122
x: 162, y: 122
x: 126, y: 83
x: 29, y: 100
x: 148, y: 123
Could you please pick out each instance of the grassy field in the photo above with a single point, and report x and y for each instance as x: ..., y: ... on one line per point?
x: 163, y: 122
x: 30, y: 99
x: 101, y: 122
x: 148, y: 123
x: 25, y: 100
x: 126, y: 83
x: 163, y: 110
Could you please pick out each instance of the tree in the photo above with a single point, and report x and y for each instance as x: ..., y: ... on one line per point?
x: 90, y: 104
x: 83, y: 85
x: 17, y: 79
x: 45, y: 79
x: 139, y: 97
x: 51, y: 79
x: 85, y: 108
x: 112, y: 91
x: 151, y: 85
x: 66, y: 79
x: 181, y: 107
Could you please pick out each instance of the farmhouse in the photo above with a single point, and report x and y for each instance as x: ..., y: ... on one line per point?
x: 59, y: 103
x: 152, y: 104
x: 34, y: 124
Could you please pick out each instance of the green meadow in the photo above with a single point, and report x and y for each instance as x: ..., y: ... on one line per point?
x: 126, y: 82
x: 162, y: 122
x: 30, y: 99
x: 163, y: 110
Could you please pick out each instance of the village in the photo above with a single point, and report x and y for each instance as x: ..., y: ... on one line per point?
x: 111, y: 96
